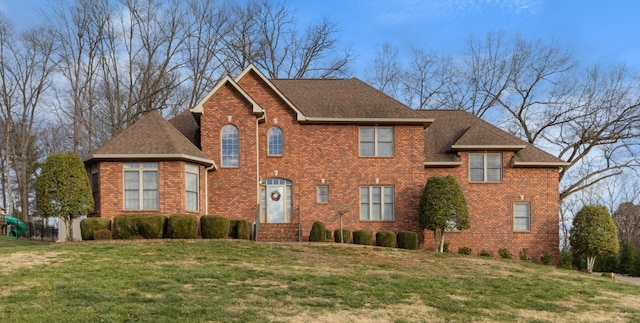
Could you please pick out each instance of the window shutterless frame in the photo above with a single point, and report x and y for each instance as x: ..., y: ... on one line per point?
x: 485, y: 168
x: 377, y: 203
x: 522, y: 217
x: 376, y: 141
x: 141, y: 184
x: 192, y: 185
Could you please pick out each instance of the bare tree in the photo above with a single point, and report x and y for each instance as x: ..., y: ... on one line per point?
x: 27, y: 63
x: 386, y: 72
x: 265, y: 34
x: 79, y: 29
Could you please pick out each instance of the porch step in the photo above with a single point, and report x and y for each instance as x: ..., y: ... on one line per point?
x: 278, y: 232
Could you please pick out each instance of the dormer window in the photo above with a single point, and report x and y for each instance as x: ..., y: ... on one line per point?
x: 485, y: 167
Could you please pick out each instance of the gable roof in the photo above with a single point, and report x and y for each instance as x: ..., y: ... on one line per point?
x: 455, y: 130
x: 345, y: 101
x: 256, y: 109
x: 187, y: 124
x: 151, y: 137
x: 327, y: 100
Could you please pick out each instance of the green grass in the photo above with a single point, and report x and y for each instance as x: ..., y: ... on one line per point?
x: 241, y: 281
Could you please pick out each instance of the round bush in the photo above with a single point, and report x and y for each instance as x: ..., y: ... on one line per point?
x: 464, y: 250
x: 505, y: 253
x: 102, y: 234
x: 363, y: 237
x: 484, y: 253
x: 386, y: 239
x: 243, y: 230
x: 407, y: 240
x: 214, y: 227
x: 317, y: 233
x: 346, y: 235
x: 183, y: 226
x: 89, y: 226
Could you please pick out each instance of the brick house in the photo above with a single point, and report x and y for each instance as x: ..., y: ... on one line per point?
x: 286, y: 153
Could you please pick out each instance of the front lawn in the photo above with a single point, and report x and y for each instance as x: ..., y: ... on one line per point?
x: 242, y: 281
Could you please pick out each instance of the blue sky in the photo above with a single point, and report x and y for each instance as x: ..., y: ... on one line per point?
x: 596, y: 32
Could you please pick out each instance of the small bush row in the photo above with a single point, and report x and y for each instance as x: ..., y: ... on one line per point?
x: 403, y: 239
x: 153, y: 226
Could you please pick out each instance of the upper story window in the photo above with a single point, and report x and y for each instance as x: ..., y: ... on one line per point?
x: 276, y: 145
x: 376, y: 203
x: 191, y: 181
x: 141, y: 186
x: 485, y: 167
x: 230, y: 146
x: 376, y: 141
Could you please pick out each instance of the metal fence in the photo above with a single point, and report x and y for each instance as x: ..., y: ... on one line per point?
x: 33, y: 231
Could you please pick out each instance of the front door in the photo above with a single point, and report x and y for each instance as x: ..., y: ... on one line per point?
x: 276, y: 201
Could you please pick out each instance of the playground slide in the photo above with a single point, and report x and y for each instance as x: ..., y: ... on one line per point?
x: 20, y: 226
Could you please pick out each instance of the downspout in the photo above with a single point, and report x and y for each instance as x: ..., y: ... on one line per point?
x: 257, y: 226
x: 206, y: 188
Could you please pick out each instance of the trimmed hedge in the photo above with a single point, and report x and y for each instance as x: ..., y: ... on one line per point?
x: 243, y: 230
x: 214, y: 227
x: 103, y: 234
x: 89, y: 226
x: 137, y: 226
x: 407, y: 240
x: 317, y: 233
x: 363, y: 237
x: 183, y: 226
x: 233, y: 228
x: 386, y: 239
x: 327, y: 235
x: 346, y: 234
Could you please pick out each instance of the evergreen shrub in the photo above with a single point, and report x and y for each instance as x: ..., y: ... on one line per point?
x: 464, y: 250
x: 317, y: 233
x: 136, y: 226
x: 243, y: 230
x: 546, y: 258
x: 363, y: 237
x: 346, y: 234
x: 505, y: 253
x: 183, y: 226
x: 407, y: 240
x: 89, y: 226
x: 214, y: 227
x: 233, y: 228
x: 485, y: 253
x: 386, y: 239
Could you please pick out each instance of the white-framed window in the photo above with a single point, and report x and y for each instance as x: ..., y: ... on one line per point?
x: 521, y: 217
x: 485, y: 167
x: 276, y: 142
x: 376, y: 141
x: 141, y: 186
x: 230, y: 146
x: 376, y: 203
x: 192, y: 185
x: 323, y: 194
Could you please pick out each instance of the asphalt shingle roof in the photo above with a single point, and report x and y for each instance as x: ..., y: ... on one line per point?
x: 152, y: 135
x: 457, y: 127
x: 342, y: 99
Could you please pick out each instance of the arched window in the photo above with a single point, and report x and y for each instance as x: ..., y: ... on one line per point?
x: 230, y: 146
x: 275, y: 141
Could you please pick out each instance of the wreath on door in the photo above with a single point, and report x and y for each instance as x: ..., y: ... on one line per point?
x: 275, y: 196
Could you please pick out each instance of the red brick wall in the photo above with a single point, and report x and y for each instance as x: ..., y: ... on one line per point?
x: 491, y: 210
x: 171, y: 176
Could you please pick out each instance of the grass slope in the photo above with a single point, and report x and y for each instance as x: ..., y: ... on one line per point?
x: 241, y: 281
